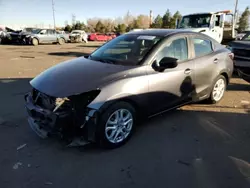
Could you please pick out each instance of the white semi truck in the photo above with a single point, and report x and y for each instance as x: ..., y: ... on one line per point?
x: 219, y: 25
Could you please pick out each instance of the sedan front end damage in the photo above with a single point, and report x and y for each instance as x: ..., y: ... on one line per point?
x: 68, y: 118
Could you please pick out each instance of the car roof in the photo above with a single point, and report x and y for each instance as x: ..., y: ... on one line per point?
x: 160, y: 32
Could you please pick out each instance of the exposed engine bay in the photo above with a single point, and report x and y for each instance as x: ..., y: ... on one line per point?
x: 67, y: 117
x: 75, y: 38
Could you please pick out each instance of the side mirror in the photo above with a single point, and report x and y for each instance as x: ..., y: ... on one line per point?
x: 166, y: 63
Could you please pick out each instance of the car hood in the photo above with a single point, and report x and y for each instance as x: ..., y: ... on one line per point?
x: 77, y: 76
x: 240, y: 44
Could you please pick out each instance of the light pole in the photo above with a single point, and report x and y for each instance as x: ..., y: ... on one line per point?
x: 53, y: 14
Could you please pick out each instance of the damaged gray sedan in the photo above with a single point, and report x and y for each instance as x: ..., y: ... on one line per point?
x: 100, y: 98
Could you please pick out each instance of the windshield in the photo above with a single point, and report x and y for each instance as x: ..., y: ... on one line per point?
x: 195, y: 21
x: 246, y: 37
x: 75, y: 32
x: 125, y: 49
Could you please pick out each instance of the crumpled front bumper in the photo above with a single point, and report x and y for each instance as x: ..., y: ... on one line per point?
x: 46, y: 123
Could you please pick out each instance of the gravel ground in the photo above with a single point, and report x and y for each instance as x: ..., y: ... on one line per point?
x: 195, y: 146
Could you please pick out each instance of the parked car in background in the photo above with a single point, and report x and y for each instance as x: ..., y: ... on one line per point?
x: 78, y: 36
x: 19, y: 36
x: 39, y: 36
x: 241, y: 50
x: 240, y: 35
x: 3, y: 35
x: 100, y: 97
x: 99, y: 37
x: 112, y: 35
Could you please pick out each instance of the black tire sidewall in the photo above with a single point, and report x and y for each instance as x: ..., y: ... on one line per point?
x: 100, y: 132
x: 211, y: 99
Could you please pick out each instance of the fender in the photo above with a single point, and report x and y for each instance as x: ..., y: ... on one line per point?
x: 131, y: 98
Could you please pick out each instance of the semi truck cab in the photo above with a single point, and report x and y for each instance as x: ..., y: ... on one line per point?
x: 218, y: 25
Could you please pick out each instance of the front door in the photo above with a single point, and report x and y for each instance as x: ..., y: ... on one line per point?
x: 43, y: 36
x: 218, y: 27
x: 172, y: 86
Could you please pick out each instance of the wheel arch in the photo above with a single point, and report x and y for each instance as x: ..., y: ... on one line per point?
x: 36, y: 39
x: 128, y: 99
x: 225, y: 74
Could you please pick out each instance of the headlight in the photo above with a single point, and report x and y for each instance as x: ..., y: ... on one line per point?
x: 76, y: 101
x: 59, y: 102
x: 84, y: 99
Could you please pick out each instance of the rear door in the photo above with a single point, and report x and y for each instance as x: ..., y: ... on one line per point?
x: 52, y: 36
x: 206, y: 64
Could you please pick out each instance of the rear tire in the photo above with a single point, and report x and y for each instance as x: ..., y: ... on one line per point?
x: 35, y: 42
x: 218, y: 90
x: 116, y: 125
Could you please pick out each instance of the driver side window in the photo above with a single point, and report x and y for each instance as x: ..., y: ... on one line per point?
x: 43, y: 32
x: 177, y: 49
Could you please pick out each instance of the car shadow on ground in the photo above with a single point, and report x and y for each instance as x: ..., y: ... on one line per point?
x: 238, y: 87
x: 91, y: 45
x: 203, y: 148
x: 70, y: 54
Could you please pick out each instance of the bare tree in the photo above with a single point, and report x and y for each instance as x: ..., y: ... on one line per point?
x: 128, y: 18
x: 91, y: 23
x: 143, y: 21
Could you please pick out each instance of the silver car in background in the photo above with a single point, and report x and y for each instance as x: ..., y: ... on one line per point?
x: 101, y: 97
x: 40, y: 36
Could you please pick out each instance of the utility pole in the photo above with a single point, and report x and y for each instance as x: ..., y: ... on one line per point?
x: 73, y: 19
x: 236, y: 10
x: 53, y: 14
x: 150, y: 18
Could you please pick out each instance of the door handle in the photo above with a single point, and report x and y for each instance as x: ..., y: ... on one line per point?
x: 216, y: 60
x: 187, y: 71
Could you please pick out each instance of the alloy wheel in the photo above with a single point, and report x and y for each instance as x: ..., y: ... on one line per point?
x: 219, y: 89
x: 119, y: 126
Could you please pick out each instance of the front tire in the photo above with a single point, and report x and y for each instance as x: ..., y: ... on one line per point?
x: 116, y: 125
x: 35, y: 42
x: 218, y: 90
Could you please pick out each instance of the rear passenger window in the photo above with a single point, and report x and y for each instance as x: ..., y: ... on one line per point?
x: 202, y: 47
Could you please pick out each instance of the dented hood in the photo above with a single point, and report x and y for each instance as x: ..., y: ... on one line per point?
x: 77, y: 76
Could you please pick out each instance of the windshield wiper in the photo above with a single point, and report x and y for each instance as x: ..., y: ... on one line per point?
x: 102, y: 60
x: 106, y: 61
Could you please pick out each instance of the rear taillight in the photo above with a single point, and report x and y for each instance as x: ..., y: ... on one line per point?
x: 231, y: 55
